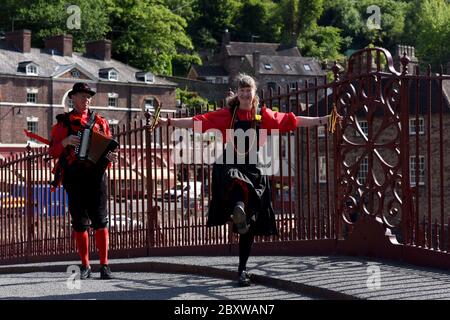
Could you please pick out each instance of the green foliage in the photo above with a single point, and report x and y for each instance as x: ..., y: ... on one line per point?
x: 49, y: 18
x: 149, y: 36
x: 351, y: 17
x: 160, y: 35
x: 433, y: 33
x: 211, y: 19
x: 299, y: 17
x: 257, y: 20
x: 321, y: 42
x: 192, y: 101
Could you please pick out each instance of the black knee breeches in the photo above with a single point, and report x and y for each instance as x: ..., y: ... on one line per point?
x: 87, y: 192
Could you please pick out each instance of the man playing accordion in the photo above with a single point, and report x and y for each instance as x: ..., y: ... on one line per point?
x: 84, y: 181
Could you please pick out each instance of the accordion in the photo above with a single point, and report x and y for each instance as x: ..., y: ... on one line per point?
x: 94, y: 146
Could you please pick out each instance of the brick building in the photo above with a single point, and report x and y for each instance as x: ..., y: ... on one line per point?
x: 34, y: 83
x: 271, y: 64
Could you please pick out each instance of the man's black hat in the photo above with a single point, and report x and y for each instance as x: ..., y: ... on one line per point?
x: 81, y: 87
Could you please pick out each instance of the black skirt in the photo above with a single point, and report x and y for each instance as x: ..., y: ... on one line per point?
x: 259, y: 210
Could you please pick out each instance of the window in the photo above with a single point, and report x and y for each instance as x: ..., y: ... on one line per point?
x: 293, y: 85
x: 113, y: 76
x: 113, y: 99
x: 75, y: 73
x: 364, y: 128
x: 32, y: 125
x: 283, y: 192
x: 412, y: 126
x: 32, y: 70
x: 272, y: 85
x: 268, y: 66
x: 149, y: 78
x: 321, y: 131
x: 284, y: 148
x: 312, y: 97
x: 412, y: 170
x: 113, y: 125
x: 322, y: 169
x: 32, y: 95
x: 307, y: 67
x: 149, y: 104
x: 70, y: 103
x: 287, y: 67
x: 112, y: 102
x: 363, y: 170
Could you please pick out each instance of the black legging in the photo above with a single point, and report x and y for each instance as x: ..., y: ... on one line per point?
x: 245, y: 240
x: 245, y: 246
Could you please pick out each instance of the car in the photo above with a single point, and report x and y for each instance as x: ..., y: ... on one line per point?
x: 185, y: 190
x: 117, y: 221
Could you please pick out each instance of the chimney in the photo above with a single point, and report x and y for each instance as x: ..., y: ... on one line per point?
x: 226, y: 38
x: 62, y: 44
x: 256, y: 60
x: 19, y: 40
x: 293, y: 41
x: 100, y: 49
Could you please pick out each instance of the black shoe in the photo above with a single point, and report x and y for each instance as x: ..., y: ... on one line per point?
x: 105, y: 272
x: 244, y: 279
x: 239, y: 218
x: 85, y: 272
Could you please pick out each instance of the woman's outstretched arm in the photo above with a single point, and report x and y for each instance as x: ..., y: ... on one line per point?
x: 177, y: 122
x: 303, y: 121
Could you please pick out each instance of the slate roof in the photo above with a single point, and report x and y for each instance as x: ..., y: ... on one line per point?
x: 283, y: 65
x: 271, y: 49
x: 210, y: 70
x: 51, y: 65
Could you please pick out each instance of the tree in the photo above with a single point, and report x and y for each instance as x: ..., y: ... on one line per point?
x: 258, y: 20
x: 299, y: 17
x: 433, y: 33
x: 183, y: 8
x: 352, y: 18
x: 192, y: 101
x: 149, y: 36
x: 49, y: 18
x: 392, y: 23
x: 211, y: 19
x: 323, y: 43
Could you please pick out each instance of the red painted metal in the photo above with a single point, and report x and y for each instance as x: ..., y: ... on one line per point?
x: 326, y: 200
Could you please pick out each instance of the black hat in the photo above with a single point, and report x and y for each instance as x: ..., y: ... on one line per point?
x: 81, y: 87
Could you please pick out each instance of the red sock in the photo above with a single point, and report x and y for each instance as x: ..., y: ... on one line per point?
x: 82, y: 240
x: 101, y: 241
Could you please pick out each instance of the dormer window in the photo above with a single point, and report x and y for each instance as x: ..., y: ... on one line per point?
x: 307, y: 67
x: 147, y: 77
x: 110, y: 73
x: 113, y: 76
x: 32, y: 70
x: 29, y: 68
x: 287, y: 67
x: 268, y: 66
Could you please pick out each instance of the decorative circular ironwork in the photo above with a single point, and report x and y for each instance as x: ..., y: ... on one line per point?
x: 369, y: 148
